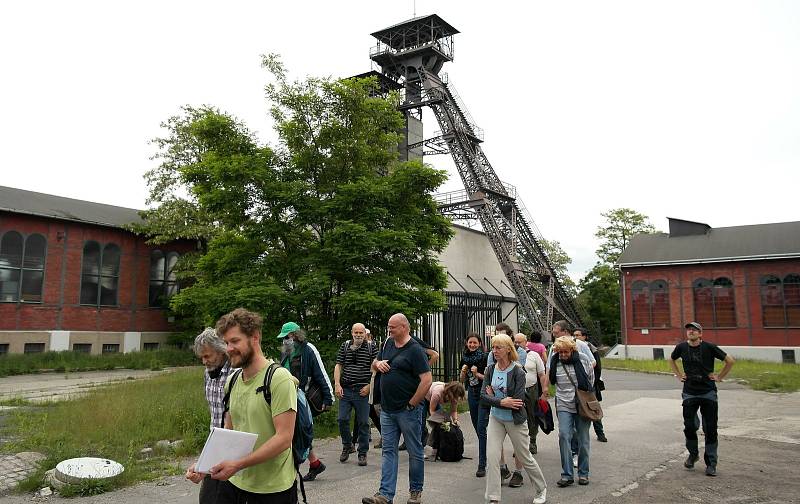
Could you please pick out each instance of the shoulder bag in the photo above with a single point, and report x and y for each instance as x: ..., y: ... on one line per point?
x: 588, y: 405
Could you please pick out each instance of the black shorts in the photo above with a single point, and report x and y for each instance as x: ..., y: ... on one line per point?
x: 228, y: 493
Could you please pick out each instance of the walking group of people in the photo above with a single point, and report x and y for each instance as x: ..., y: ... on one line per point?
x: 506, y: 389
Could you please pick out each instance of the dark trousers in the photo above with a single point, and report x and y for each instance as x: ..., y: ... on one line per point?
x: 228, y: 493
x: 708, y: 410
x: 353, y: 400
x: 480, y: 420
x: 531, y: 396
x: 376, y: 421
x: 208, y: 490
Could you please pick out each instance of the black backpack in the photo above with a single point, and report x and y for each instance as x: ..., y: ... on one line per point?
x: 451, y: 442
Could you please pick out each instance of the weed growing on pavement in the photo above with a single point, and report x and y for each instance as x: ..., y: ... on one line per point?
x: 758, y: 375
x: 66, y: 362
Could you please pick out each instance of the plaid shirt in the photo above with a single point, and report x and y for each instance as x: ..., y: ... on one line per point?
x: 215, y: 393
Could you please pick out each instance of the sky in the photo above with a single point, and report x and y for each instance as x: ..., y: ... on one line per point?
x: 687, y: 109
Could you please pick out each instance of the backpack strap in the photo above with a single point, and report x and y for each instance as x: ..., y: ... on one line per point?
x: 227, y: 398
x: 265, y: 388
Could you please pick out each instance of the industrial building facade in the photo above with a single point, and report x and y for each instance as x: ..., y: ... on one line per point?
x: 741, y: 283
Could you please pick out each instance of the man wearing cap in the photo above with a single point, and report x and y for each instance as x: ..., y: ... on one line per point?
x: 302, y: 359
x: 699, y: 392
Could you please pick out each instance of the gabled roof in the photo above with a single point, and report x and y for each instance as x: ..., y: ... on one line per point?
x: 57, y: 207
x: 738, y: 243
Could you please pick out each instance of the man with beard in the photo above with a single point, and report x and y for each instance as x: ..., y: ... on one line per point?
x: 303, y: 361
x: 699, y: 392
x: 267, y: 474
x: 351, y: 378
x: 210, y: 348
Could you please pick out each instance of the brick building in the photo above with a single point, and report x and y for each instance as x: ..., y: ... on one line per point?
x: 741, y: 283
x: 73, y: 278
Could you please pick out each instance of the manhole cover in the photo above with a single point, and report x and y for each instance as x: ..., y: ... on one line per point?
x: 79, y: 469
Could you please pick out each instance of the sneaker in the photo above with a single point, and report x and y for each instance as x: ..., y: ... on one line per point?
x: 516, y: 480
x: 415, y: 497
x: 711, y: 471
x: 504, y: 472
x: 574, y: 461
x: 313, y: 473
x: 583, y: 481
x: 362, y: 459
x: 541, y: 497
x: 481, y: 472
x: 602, y: 438
x: 690, y: 460
x: 564, y: 482
x: 345, y: 453
x: 375, y: 499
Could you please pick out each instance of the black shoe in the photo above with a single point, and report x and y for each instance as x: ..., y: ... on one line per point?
x: 504, y: 473
x: 690, y: 460
x: 362, y: 459
x: 345, y: 453
x: 516, y: 480
x: 480, y: 473
x: 564, y: 482
x: 313, y: 473
x: 602, y: 438
x: 711, y: 471
x: 402, y: 446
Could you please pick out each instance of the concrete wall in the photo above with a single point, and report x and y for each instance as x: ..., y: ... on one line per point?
x: 65, y: 340
x: 761, y: 353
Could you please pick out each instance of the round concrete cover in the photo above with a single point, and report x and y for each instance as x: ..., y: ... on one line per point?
x: 79, y: 469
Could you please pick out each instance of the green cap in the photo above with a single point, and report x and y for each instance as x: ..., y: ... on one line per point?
x: 287, y: 328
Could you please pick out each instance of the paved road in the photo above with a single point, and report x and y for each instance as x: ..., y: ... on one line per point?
x: 642, y: 462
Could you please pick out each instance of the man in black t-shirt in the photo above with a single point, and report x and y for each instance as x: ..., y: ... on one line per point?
x: 405, y: 379
x: 699, y: 392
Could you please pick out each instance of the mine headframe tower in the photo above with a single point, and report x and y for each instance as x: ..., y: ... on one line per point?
x: 412, y: 54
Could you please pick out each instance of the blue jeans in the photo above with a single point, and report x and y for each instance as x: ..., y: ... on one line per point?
x: 480, y: 420
x: 567, y: 423
x: 392, y: 425
x: 353, y: 400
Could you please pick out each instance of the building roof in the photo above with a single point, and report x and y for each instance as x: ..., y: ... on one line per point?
x: 415, y: 31
x: 706, y: 244
x: 57, y: 207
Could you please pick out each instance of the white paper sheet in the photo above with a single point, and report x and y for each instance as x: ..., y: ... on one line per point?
x: 224, y: 444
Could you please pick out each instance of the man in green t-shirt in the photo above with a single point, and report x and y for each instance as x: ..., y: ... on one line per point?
x: 267, y: 474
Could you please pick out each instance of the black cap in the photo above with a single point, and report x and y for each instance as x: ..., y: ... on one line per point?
x: 694, y: 325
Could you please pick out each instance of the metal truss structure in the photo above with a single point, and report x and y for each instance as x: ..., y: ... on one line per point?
x: 412, y: 54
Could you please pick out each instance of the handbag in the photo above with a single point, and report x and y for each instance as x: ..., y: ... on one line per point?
x: 314, y: 398
x: 588, y: 405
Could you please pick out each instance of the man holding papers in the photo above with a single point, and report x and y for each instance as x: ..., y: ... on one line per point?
x: 267, y: 475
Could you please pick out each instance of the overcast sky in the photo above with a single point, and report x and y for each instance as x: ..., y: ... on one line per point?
x: 686, y: 109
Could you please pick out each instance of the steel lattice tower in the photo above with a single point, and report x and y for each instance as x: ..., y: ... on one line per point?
x: 412, y: 54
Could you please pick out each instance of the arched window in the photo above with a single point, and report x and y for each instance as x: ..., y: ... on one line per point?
x: 163, y: 282
x: 100, y: 275
x: 659, y: 306
x: 780, y: 300
x: 22, y: 267
x: 714, y: 303
x: 640, y: 299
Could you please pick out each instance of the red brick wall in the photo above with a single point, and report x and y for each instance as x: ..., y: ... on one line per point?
x: 63, y: 264
x: 745, y: 275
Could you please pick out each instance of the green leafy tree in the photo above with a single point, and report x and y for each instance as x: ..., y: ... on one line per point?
x: 599, y: 294
x: 621, y: 224
x: 559, y: 260
x: 326, y: 228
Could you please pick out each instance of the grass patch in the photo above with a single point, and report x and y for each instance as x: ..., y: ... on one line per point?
x: 67, y: 361
x: 15, y: 401
x: 758, y: 375
x: 116, y: 422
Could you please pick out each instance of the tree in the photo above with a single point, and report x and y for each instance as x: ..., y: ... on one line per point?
x: 559, y: 260
x: 326, y: 228
x: 599, y: 294
x: 622, y: 224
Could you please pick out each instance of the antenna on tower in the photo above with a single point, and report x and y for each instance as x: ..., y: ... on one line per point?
x: 415, y: 9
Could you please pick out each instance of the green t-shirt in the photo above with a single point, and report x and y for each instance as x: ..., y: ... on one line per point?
x: 251, y: 413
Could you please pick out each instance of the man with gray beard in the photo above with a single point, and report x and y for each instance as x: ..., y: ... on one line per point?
x: 351, y: 378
